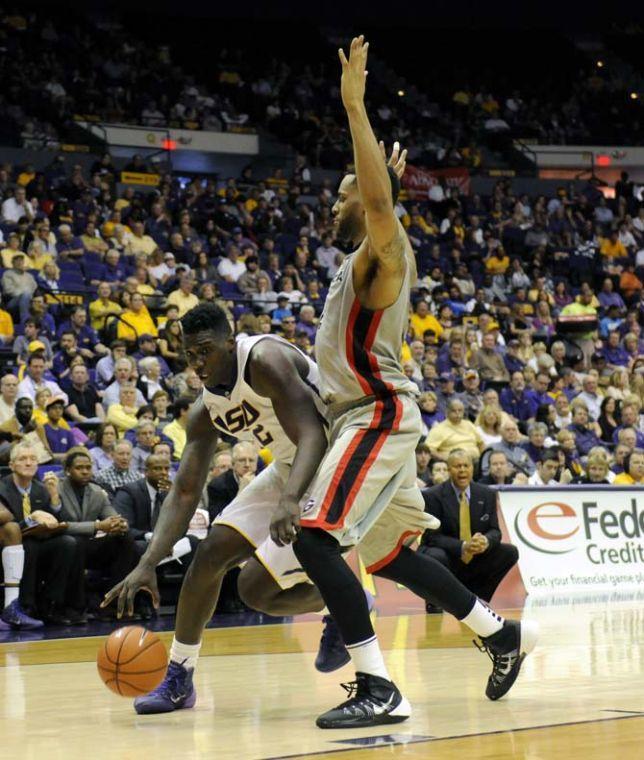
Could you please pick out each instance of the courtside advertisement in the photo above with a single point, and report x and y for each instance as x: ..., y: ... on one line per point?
x: 578, y: 538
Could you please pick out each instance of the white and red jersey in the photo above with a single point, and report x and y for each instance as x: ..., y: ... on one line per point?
x: 240, y: 412
x: 358, y: 350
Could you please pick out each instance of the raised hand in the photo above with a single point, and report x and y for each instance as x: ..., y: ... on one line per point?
x: 354, y: 74
x: 397, y: 160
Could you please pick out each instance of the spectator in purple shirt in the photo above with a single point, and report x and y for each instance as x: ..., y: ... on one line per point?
x: 614, y: 353
x: 59, y: 438
x: 607, y: 296
x: 115, y: 272
x: 68, y: 245
x: 307, y: 322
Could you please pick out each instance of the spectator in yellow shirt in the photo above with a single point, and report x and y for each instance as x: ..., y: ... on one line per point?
x: 37, y: 255
x: 183, y: 297
x: 612, y: 247
x: 176, y: 430
x: 136, y: 320
x: 633, y: 474
x: 13, y: 248
x: 102, y: 306
x: 454, y: 433
x: 422, y: 320
x: 123, y: 414
x: 6, y: 327
x: 497, y: 262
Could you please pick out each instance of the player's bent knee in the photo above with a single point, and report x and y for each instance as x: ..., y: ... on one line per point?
x: 257, y: 588
x: 221, y: 550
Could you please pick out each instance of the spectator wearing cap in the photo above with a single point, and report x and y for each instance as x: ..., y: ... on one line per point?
x: 283, y: 308
x: 446, y: 390
x: 18, y: 287
x: 103, y: 306
x: 248, y: 282
x: 489, y: 362
x: 136, y: 320
x: 59, y: 438
x: 512, y: 360
x: 471, y: 395
x: 230, y: 269
x: 84, y: 403
x: 183, y: 297
x: 176, y: 430
x: 454, y: 433
x: 633, y: 474
x: 148, y: 348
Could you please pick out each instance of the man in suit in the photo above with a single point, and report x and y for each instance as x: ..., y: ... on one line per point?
x: 223, y: 489
x: 140, y: 502
x: 52, y: 557
x: 101, y: 533
x: 468, y: 541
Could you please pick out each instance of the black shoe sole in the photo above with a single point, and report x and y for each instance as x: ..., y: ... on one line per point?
x: 377, y: 720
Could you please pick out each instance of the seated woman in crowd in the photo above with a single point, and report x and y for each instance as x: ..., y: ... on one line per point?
x: 488, y: 425
x: 102, y: 453
x: 608, y: 419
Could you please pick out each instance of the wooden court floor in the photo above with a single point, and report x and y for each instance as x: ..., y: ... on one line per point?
x: 580, y: 695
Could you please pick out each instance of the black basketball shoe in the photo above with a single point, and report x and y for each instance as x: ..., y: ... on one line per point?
x: 507, y: 649
x: 372, y: 702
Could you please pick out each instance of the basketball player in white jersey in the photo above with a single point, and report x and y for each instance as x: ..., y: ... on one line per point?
x: 261, y: 386
x: 365, y: 488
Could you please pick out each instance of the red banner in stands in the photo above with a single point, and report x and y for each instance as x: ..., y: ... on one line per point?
x: 418, y: 180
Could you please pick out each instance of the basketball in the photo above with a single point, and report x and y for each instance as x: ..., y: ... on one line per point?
x: 132, y: 661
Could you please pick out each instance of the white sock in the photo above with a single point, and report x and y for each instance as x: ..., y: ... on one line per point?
x: 324, y: 611
x: 367, y: 658
x: 185, y: 654
x: 483, y: 620
x: 13, y: 562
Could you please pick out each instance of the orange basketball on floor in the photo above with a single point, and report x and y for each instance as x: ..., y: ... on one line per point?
x: 132, y: 661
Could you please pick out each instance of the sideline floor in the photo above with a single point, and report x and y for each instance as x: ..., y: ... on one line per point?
x: 580, y: 695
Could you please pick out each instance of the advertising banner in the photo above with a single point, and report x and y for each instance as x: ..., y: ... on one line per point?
x: 579, y: 538
x: 418, y: 180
